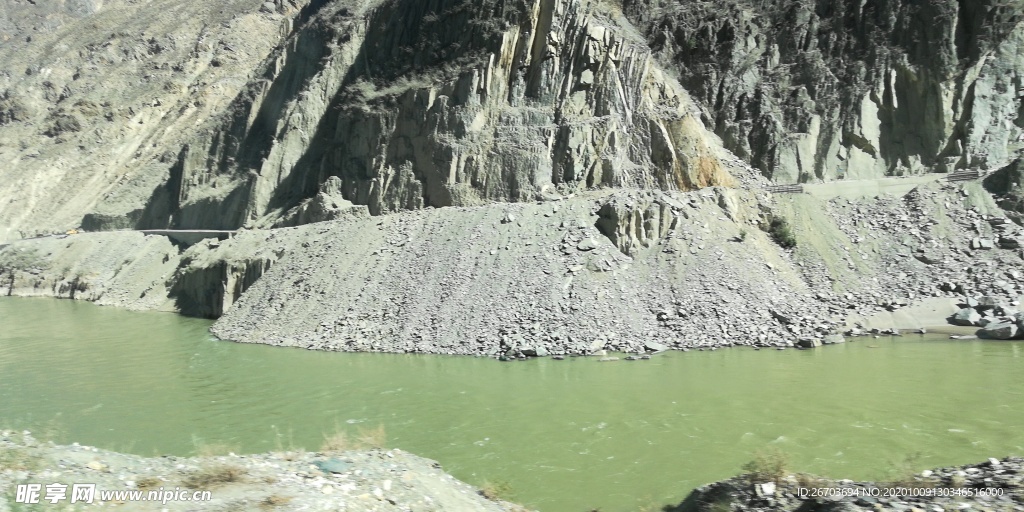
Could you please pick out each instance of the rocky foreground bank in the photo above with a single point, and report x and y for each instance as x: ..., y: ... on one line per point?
x: 375, y: 480
x: 994, y: 485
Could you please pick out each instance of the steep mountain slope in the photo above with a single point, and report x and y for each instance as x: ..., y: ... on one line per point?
x: 410, y: 104
x: 96, y: 95
x: 833, y: 89
x: 414, y: 104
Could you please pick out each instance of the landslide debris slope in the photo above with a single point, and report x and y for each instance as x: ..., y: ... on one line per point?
x: 806, y: 90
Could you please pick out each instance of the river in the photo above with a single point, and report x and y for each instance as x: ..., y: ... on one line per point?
x: 566, y: 435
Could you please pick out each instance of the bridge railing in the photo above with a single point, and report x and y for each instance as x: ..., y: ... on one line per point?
x: 786, y: 189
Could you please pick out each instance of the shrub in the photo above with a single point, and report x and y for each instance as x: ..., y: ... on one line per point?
x: 496, y: 491
x: 148, y: 482
x: 782, y: 233
x: 768, y: 466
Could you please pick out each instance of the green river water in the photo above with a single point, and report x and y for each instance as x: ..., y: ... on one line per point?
x: 566, y: 435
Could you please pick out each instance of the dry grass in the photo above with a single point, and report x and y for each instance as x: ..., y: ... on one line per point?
x: 18, y: 459
x: 274, y: 501
x: 372, y: 437
x: 336, y: 442
x: 365, y: 438
x: 213, y: 476
x: 806, y: 481
x: 904, y: 475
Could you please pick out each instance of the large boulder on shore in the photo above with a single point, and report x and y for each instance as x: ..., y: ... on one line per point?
x: 966, y: 316
x: 808, y: 342
x: 833, y: 339
x: 999, y: 331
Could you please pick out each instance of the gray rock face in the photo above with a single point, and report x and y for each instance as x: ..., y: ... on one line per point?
x: 853, y: 90
x: 533, y: 103
x: 536, y: 101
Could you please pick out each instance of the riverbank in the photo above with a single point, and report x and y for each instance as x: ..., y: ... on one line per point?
x: 626, y: 271
x: 365, y: 480
x: 996, y: 484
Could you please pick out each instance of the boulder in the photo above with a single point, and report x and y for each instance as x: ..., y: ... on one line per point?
x: 654, y: 346
x: 808, y: 342
x: 535, y: 351
x: 765, y: 490
x: 833, y: 339
x: 987, y: 302
x: 588, y: 244
x: 1007, y: 311
x: 982, y: 243
x: 928, y: 257
x: 999, y: 331
x: 966, y: 317
x: 337, y: 466
x: 1009, y: 243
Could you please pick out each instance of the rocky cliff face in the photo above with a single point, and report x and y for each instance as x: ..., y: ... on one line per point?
x: 849, y: 88
x: 185, y: 114
x: 409, y: 104
x: 428, y: 104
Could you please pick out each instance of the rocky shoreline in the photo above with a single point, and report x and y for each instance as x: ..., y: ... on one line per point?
x: 619, y: 271
x: 994, y: 485
x: 358, y: 481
